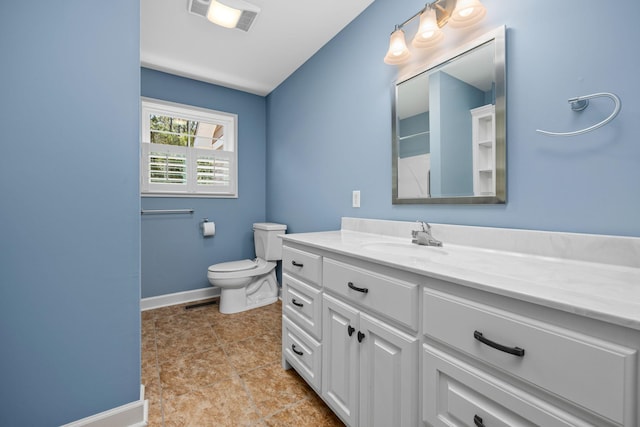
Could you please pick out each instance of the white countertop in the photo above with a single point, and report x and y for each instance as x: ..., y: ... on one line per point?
x: 601, y: 291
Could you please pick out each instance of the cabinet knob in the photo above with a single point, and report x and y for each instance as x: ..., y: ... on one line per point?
x: 478, y: 421
x: 360, y: 336
x: 350, y: 330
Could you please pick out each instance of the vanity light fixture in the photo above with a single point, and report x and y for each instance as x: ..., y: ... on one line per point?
x: 232, y: 13
x: 398, y: 51
x: 434, y: 16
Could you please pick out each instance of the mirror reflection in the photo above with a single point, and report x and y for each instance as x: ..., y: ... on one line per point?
x: 449, y: 131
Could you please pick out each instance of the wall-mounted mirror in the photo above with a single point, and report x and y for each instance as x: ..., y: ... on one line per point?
x: 449, y: 128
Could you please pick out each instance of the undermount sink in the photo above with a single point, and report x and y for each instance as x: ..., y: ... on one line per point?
x: 404, y: 249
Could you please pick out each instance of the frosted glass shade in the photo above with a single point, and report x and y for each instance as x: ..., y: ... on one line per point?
x: 466, y: 13
x: 398, y: 51
x: 223, y: 15
x: 429, y: 33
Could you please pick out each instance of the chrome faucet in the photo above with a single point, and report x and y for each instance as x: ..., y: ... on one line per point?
x: 424, y: 237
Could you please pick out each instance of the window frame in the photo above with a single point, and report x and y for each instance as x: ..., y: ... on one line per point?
x: 191, y: 188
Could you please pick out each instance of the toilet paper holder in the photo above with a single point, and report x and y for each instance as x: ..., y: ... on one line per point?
x: 208, y: 228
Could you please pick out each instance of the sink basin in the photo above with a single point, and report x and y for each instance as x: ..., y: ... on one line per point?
x: 404, y: 249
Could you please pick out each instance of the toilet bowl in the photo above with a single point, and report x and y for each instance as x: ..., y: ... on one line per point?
x: 248, y: 284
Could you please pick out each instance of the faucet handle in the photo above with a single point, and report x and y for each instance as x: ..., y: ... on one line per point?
x: 425, y: 226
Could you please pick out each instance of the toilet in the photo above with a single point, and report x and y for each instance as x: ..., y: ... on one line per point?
x: 248, y: 284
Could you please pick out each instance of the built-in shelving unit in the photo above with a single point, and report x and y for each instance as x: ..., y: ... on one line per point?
x: 483, y: 140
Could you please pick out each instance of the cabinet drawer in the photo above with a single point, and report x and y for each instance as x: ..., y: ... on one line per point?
x: 302, y: 352
x: 456, y: 394
x: 590, y: 372
x: 393, y: 298
x: 306, y: 265
x: 302, y: 304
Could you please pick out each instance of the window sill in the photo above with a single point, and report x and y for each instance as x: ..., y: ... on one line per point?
x: 191, y: 195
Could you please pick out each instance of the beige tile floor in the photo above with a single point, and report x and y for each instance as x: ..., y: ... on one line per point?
x: 202, y: 368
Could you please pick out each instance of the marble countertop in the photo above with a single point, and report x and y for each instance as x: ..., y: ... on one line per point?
x: 598, y: 290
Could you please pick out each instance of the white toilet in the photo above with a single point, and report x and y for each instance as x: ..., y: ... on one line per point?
x: 248, y: 284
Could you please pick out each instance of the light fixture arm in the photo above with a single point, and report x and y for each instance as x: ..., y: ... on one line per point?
x: 442, y: 13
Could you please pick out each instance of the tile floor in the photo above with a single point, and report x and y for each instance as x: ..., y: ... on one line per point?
x: 202, y: 368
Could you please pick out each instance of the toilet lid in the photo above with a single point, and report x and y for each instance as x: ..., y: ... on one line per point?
x: 245, y: 264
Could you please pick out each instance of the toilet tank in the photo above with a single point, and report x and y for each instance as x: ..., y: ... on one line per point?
x: 267, y: 243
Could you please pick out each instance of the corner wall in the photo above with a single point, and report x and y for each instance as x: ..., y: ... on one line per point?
x: 69, y: 210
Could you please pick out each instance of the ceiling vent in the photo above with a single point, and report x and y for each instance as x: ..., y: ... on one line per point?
x: 199, y: 7
x: 245, y: 13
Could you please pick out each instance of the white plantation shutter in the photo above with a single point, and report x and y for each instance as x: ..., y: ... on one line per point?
x: 193, y: 153
x: 214, y: 171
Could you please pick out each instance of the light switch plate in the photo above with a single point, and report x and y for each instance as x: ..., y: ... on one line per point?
x: 355, y: 199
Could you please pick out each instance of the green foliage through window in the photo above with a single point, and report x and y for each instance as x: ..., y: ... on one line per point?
x: 173, y: 131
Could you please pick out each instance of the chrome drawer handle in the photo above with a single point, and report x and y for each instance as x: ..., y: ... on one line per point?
x: 516, y: 351
x: 297, y: 264
x: 296, y: 303
x: 355, y: 288
x: 478, y: 421
x: 293, y: 347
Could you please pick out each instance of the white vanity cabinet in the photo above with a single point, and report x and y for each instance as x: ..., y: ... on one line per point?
x: 369, y: 365
x: 501, y: 368
x: 369, y: 368
x: 387, y: 344
x: 301, y: 314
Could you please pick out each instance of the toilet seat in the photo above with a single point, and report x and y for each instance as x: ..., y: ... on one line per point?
x: 245, y: 264
x: 242, y: 268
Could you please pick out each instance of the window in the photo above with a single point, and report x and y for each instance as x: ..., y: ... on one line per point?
x: 187, y: 151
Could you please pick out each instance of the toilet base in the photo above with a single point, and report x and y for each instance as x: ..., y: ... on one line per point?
x: 263, y: 290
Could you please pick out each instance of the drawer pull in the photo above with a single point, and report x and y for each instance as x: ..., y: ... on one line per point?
x: 360, y: 336
x: 516, y: 351
x: 296, y: 303
x: 355, y: 288
x: 297, y: 264
x: 478, y: 421
x: 350, y: 330
x: 293, y: 347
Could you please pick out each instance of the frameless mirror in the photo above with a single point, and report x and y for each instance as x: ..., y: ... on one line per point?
x: 449, y: 128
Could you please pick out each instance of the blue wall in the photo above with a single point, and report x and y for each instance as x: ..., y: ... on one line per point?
x: 329, y: 124
x: 416, y: 144
x: 69, y: 210
x: 175, y: 255
x: 450, y: 100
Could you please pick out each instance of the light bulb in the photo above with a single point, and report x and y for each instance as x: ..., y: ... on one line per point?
x: 398, y: 51
x: 429, y: 33
x: 467, y: 12
x: 223, y: 15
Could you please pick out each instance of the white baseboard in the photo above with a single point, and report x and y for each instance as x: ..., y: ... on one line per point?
x: 178, y: 298
x: 132, y: 414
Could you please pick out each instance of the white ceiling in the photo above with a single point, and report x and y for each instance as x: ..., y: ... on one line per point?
x: 284, y: 35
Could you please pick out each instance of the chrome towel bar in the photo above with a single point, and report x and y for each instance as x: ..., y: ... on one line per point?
x: 165, y: 211
x: 579, y: 103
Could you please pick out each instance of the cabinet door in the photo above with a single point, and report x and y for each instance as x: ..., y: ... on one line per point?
x: 388, y: 375
x: 340, y: 359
